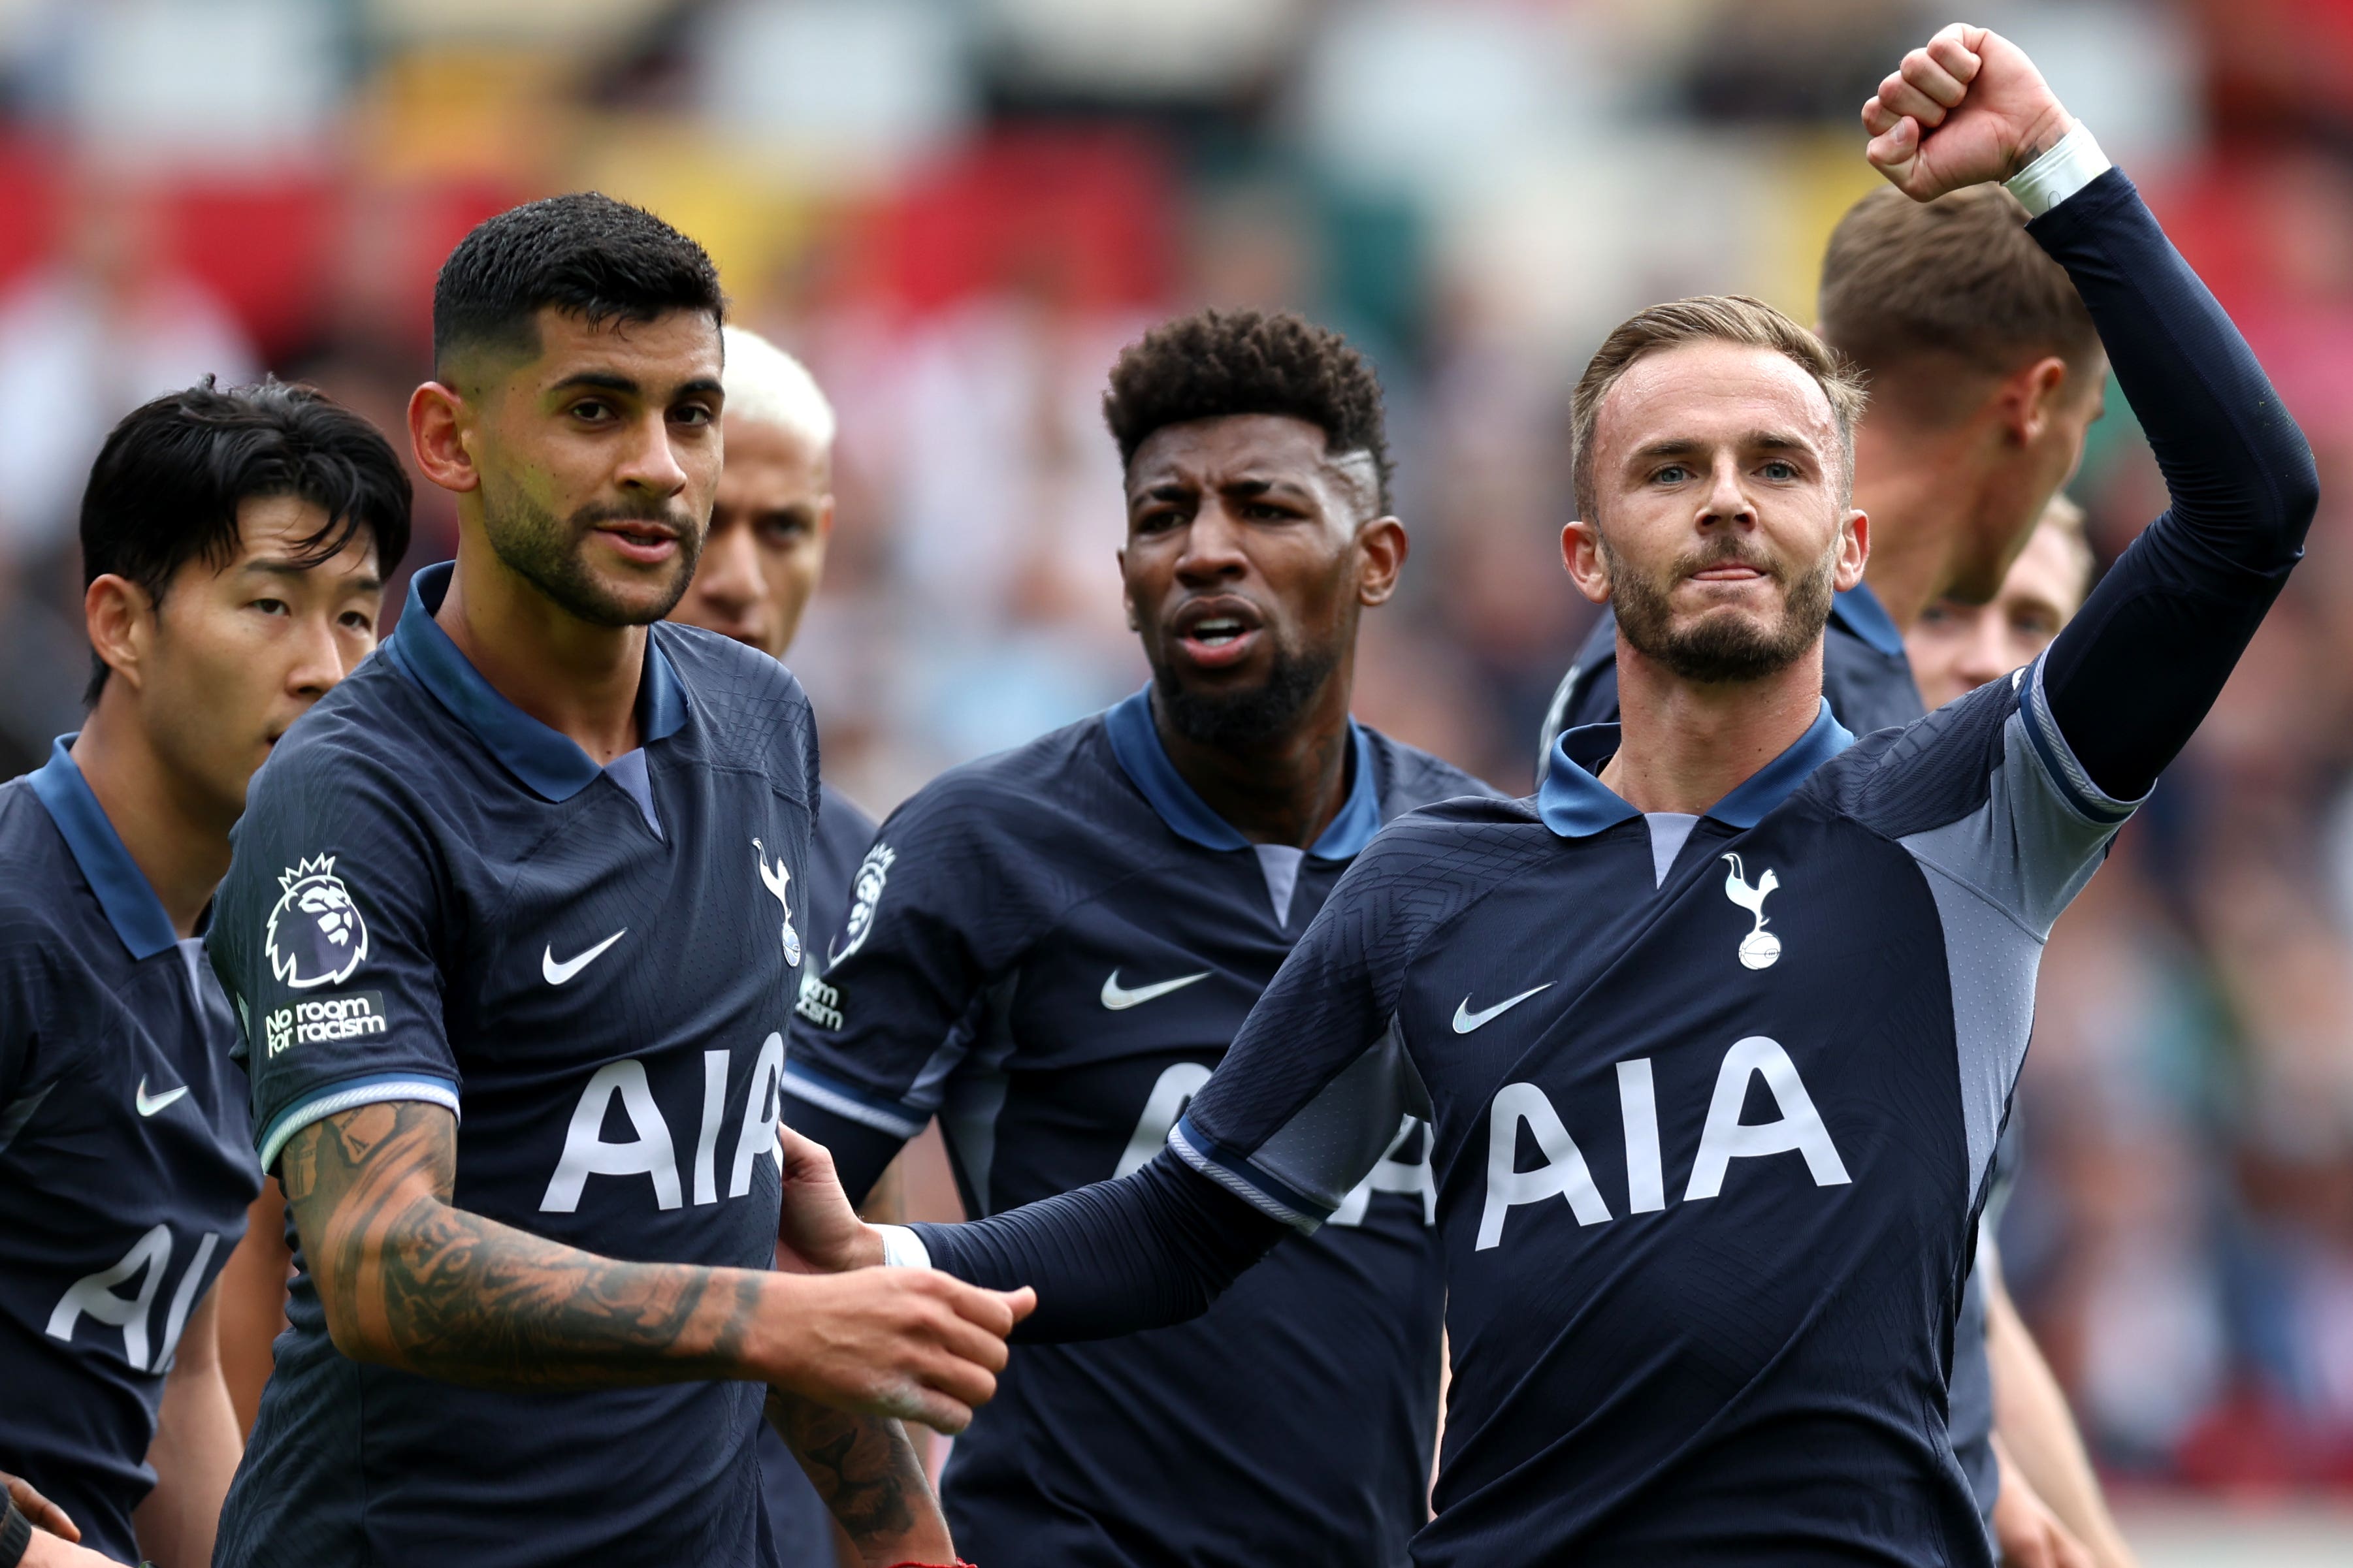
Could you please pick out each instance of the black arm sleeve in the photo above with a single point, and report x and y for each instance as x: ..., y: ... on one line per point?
x: 1149, y: 1250
x: 2135, y: 673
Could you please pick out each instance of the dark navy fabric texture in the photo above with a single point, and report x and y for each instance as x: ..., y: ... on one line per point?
x: 1710, y: 1150
x: 126, y: 1159
x: 1049, y: 950
x: 431, y: 901
x: 797, y: 1515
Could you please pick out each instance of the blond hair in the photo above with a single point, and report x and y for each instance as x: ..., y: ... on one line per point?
x: 769, y: 386
x: 1711, y: 318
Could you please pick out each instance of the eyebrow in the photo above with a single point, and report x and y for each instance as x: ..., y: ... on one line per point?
x: 288, y: 566
x: 613, y: 381
x: 1754, y: 441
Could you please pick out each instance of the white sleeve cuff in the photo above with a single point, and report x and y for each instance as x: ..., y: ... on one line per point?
x: 902, y: 1248
x: 2058, y: 174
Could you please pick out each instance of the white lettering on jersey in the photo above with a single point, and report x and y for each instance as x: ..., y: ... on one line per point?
x: 1799, y: 1127
x: 1760, y: 949
x: 1563, y: 1174
x: 1391, y: 1174
x: 762, y: 1109
x: 1170, y: 1095
x: 93, y: 1295
x: 1638, y: 1109
x: 714, y: 1111
x: 182, y: 1299
x: 587, y: 1154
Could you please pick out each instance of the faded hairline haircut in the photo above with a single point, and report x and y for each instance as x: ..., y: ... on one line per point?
x: 1911, y: 290
x: 768, y: 386
x: 1214, y: 365
x: 167, y: 485
x: 1711, y: 318
x: 585, y: 255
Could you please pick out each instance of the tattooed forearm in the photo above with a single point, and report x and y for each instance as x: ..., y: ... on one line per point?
x: 867, y: 1474
x: 412, y: 1281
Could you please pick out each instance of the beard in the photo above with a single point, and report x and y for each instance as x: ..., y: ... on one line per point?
x: 1233, y: 720
x: 1720, y: 647
x: 549, y: 554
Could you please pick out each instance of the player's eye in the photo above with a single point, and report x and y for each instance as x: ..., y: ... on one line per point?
x: 1672, y: 474
x: 1158, y: 522
x: 2033, y: 624
x: 1266, y: 511
x: 593, y: 411
x: 783, y: 530
x: 271, y: 606
x: 359, y: 621
x: 693, y: 414
x: 1777, y: 469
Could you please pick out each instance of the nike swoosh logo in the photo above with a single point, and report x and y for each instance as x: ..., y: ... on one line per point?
x: 150, y: 1107
x: 1466, y: 1020
x: 557, y: 974
x: 1119, y: 1000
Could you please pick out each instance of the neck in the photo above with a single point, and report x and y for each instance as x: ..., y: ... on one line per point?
x: 1684, y: 745
x: 177, y: 835
x: 578, y: 679
x: 1920, y: 491
x: 1285, y: 790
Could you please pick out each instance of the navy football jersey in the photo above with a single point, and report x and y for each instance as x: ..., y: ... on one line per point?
x: 1708, y: 1172
x: 797, y: 1515
x: 126, y: 1161
x: 1049, y: 950
x: 1867, y: 681
x: 436, y: 897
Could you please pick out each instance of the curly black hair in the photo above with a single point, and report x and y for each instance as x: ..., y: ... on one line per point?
x: 1213, y: 363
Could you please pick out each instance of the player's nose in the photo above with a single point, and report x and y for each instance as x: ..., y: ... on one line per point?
x: 317, y: 661
x: 1213, y: 544
x: 652, y: 462
x: 728, y: 578
x: 1727, y: 499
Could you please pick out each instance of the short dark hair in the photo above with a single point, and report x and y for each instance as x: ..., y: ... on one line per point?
x: 166, y: 485
x: 1955, y: 279
x: 1214, y: 364
x: 586, y: 254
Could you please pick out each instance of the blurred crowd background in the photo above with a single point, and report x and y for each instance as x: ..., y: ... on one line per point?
x: 957, y: 210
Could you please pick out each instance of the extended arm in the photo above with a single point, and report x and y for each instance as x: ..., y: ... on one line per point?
x: 197, y: 1443
x: 408, y: 1279
x: 2031, y: 1422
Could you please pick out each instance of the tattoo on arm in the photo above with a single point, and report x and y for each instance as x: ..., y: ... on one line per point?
x: 863, y: 1467
x: 410, y: 1280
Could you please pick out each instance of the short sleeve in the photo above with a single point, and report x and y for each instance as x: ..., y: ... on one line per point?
x: 1310, y: 1097
x: 881, y: 1029
x: 324, y: 936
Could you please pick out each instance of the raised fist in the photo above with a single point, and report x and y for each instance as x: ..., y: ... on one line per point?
x: 1966, y: 109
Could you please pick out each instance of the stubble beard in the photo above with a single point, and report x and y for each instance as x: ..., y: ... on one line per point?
x: 551, y: 555
x: 1720, y: 648
x: 1239, y: 719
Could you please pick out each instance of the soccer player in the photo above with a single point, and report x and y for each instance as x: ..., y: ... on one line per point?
x: 1050, y: 950
x: 1717, y: 1031
x: 543, y: 864
x: 235, y: 544
x: 770, y: 521
x: 1956, y: 646
x: 1984, y: 374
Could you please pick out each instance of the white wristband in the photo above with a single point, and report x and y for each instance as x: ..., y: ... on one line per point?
x: 902, y: 1248
x: 2074, y: 163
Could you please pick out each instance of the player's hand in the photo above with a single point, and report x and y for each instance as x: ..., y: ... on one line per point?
x: 1967, y: 109
x: 2025, y: 1531
x: 912, y: 1344
x: 818, y: 1232
x: 44, y: 1514
x: 47, y: 1551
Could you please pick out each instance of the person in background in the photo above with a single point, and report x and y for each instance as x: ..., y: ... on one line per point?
x: 235, y: 544
x: 1956, y: 646
x: 770, y: 522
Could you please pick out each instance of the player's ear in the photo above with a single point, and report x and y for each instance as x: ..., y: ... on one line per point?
x: 120, y: 618
x: 1854, y: 550
x: 1580, y: 552
x: 1381, y: 549
x: 2029, y: 398
x: 1127, y: 590
x: 437, y: 434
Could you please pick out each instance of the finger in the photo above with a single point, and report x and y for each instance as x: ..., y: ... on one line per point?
x: 1892, y: 153
x: 804, y: 1158
x: 1905, y: 99
x: 40, y: 1511
x: 1952, y: 49
x: 959, y: 1380
x: 1878, y: 119
x: 1922, y: 70
x: 989, y: 1309
x: 2069, y: 1553
x: 941, y: 1414
x: 1023, y: 1301
x: 969, y: 1341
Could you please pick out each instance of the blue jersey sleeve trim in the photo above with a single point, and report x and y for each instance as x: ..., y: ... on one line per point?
x: 334, y: 1099
x: 1275, y: 1199
x: 124, y: 892
x: 867, y: 1109
x: 2058, y: 758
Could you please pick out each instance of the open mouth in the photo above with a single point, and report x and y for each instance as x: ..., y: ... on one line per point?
x: 1220, y: 632
x: 641, y: 539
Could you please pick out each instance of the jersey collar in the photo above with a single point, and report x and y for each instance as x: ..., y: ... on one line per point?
x: 1861, y: 613
x: 123, y: 889
x: 552, y: 766
x: 1576, y: 804
x: 1136, y: 744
